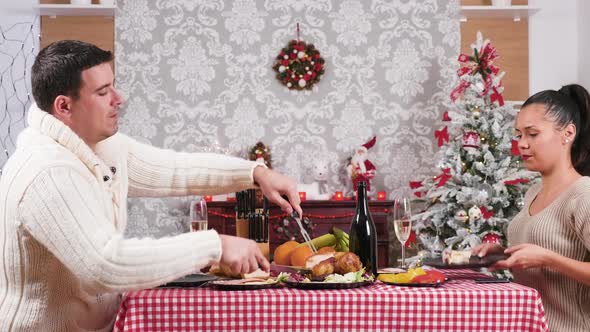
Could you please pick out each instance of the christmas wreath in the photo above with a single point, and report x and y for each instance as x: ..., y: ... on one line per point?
x: 299, y: 65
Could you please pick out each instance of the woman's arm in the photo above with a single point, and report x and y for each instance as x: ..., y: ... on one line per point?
x: 527, y: 256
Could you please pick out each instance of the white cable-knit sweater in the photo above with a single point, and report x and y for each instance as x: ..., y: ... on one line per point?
x: 63, y: 214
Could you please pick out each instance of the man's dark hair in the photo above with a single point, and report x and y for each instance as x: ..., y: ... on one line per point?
x: 58, y: 70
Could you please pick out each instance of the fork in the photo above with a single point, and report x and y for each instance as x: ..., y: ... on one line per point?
x: 304, y: 233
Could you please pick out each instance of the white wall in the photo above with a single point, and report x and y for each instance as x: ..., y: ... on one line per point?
x: 584, y: 43
x: 554, y: 39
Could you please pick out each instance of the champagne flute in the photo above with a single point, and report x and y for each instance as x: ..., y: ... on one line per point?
x: 198, y: 215
x: 402, y: 221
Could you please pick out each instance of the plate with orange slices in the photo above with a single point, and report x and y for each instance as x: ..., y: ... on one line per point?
x: 416, y: 277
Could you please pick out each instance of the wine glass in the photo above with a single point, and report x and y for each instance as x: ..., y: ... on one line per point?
x: 198, y: 215
x: 402, y: 221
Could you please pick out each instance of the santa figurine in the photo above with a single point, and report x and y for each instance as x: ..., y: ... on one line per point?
x: 360, y: 168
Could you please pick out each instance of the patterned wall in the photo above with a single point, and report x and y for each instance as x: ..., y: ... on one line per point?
x: 198, y: 75
x: 19, y: 44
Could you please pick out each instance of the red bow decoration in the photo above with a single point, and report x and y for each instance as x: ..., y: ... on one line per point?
x: 497, y: 96
x: 442, y: 136
x: 411, y: 239
x: 446, y: 117
x: 481, y: 63
x: 444, y: 177
x: 416, y: 185
x: 514, y: 149
x: 515, y: 182
x: 485, y: 213
x: 458, y: 91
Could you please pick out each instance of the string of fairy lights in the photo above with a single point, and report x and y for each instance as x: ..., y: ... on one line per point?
x: 19, y: 44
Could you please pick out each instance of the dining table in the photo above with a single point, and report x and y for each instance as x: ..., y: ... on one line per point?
x: 458, y: 304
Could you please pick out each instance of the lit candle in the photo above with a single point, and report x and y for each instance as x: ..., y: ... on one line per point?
x: 208, y: 198
x: 338, y: 196
x: 302, y: 196
x: 381, y: 195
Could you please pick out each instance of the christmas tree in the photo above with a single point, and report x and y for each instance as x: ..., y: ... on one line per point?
x: 480, y: 183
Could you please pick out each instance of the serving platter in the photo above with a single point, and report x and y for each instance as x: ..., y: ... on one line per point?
x: 242, y: 284
x: 327, y: 285
x: 474, y: 262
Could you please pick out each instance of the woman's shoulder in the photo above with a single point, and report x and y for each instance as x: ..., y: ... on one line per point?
x: 581, y: 187
x: 578, y: 195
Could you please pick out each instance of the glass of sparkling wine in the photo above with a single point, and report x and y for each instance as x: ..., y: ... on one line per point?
x: 402, y: 221
x: 198, y: 215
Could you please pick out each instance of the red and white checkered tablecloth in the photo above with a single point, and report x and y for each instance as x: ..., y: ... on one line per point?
x: 458, y: 305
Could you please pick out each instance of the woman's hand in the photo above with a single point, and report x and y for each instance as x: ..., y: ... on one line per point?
x: 525, y: 256
x: 487, y: 248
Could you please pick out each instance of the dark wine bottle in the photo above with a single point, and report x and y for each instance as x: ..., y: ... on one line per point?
x: 363, y: 234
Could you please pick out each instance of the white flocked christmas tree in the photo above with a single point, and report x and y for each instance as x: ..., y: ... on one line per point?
x: 479, y: 183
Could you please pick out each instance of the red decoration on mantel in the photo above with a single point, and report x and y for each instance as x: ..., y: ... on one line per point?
x: 208, y: 198
x: 338, y: 196
x: 302, y: 196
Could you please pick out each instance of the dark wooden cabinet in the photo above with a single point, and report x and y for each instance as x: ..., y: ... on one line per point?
x: 323, y: 215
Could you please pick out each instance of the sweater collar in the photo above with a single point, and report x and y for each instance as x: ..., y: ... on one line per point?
x: 49, y: 125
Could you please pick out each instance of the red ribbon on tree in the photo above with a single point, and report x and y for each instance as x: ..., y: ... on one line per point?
x: 416, y: 185
x: 515, y: 182
x: 497, y: 96
x: 458, y: 91
x: 515, y: 150
x: 411, y: 239
x: 442, y: 136
x: 485, y: 213
x: 446, y: 117
x: 443, y: 178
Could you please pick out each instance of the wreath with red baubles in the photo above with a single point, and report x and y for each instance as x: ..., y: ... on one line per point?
x: 299, y: 65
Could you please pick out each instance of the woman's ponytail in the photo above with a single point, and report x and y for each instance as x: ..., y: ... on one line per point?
x: 581, y: 144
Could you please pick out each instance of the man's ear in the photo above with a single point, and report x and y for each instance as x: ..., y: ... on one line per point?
x: 62, y: 108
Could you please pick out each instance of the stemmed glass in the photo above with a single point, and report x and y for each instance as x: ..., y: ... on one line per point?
x: 402, y: 221
x: 198, y: 215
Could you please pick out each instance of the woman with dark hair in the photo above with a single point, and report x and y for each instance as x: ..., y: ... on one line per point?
x: 550, y: 238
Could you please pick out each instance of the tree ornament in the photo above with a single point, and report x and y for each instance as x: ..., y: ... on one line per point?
x: 471, y: 140
x: 492, y: 238
x: 302, y: 67
x: 461, y: 216
x: 476, y: 113
x: 484, y: 192
x: 474, y: 214
x: 520, y: 203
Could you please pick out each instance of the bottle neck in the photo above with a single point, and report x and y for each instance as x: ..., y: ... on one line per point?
x: 362, y: 203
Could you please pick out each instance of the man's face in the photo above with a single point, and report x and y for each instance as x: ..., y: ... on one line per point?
x: 95, y: 114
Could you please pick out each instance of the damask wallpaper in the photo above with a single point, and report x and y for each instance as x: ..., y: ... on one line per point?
x: 197, y: 75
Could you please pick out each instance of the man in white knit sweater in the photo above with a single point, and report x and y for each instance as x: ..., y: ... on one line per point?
x: 63, y: 202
